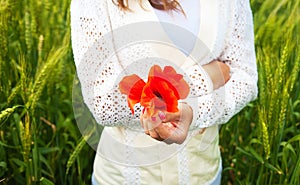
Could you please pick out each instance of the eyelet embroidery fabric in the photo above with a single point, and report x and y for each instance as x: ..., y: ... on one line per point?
x: 131, y: 174
x: 238, y: 52
x: 90, y: 23
x: 183, y: 169
x: 108, y: 106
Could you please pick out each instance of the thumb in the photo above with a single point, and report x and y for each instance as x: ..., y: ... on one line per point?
x: 169, y: 116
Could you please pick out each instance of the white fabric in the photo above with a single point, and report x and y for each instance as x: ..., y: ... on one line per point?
x: 226, y: 29
x: 90, y: 22
x: 215, y: 181
x: 201, y: 166
x: 190, y: 21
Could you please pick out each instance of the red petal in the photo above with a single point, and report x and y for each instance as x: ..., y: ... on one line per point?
x: 170, y: 71
x: 162, y: 91
x: 176, y: 80
x: 155, y: 71
x: 131, y: 103
x: 147, y: 96
x: 158, y: 95
x: 130, y: 82
x: 168, y: 95
x: 182, y: 88
x: 132, y: 86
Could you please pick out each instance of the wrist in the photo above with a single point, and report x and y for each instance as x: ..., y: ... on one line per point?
x: 186, y: 111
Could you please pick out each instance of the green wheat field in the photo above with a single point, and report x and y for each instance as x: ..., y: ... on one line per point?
x: 40, y: 142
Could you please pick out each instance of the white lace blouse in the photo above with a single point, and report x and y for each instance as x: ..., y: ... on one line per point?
x: 99, y: 28
x: 109, y: 44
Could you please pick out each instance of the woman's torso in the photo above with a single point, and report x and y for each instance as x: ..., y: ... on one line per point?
x: 184, y: 161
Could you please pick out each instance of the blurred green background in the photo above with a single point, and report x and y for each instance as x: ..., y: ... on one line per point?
x: 40, y: 142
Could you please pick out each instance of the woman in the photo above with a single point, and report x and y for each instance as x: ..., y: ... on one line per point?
x: 209, y: 43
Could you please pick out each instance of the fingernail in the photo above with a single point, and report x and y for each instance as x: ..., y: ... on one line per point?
x: 153, y: 118
x: 162, y: 115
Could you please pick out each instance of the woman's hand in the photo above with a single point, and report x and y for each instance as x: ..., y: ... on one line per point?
x: 169, y: 127
x: 218, y: 71
x: 173, y: 127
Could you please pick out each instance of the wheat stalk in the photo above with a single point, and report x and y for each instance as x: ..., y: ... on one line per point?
x: 295, y: 72
x: 7, y: 112
x: 28, y: 37
x: 33, y: 25
x: 4, y: 8
x: 281, y: 94
x: 78, y: 149
x: 40, y: 48
x: 25, y: 137
x: 14, y: 93
x: 264, y: 132
x: 43, y: 77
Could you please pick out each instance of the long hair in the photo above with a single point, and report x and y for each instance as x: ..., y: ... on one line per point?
x: 166, y: 5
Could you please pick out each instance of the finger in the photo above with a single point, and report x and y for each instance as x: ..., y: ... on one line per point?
x: 144, y: 125
x: 165, y: 130
x: 146, y: 129
x: 169, y: 116
x: 155, y: 135
x: 152, y: 123
x: 170, y: 133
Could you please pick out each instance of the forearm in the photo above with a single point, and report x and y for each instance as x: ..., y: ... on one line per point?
x: 221, y: 104
x: 218, y: 72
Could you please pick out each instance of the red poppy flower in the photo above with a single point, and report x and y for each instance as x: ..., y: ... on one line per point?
x: 162, y: 91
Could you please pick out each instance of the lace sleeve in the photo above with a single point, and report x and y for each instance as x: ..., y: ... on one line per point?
x: 220, y: 105
x: 96, y: 65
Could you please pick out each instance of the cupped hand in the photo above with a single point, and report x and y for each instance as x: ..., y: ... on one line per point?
x: 169, y: 127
